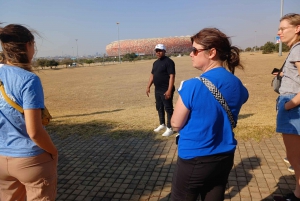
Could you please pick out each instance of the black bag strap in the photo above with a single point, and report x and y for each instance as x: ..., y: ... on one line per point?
x: 217, y: 94
x: 280, y: 70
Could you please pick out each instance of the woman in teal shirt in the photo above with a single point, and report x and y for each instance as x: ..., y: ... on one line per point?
x: 28, y: 157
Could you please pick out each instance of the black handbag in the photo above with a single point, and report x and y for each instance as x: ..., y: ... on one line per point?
x: 276, y: 81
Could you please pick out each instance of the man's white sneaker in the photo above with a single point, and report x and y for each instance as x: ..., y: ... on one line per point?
x: 286, y: 160
x: 168, y: 132
x: 159, y: 128
x: 291, y: 169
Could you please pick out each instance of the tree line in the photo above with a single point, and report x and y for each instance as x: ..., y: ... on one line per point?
x: 267, y: 48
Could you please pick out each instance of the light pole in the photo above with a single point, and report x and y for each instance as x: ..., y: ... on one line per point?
x: 77, y: 48
x: 255, y: 43
x: 280, y: 44
x: 119, y: 43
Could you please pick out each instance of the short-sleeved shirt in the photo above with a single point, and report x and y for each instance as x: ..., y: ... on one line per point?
x: 24, y: 88
x: 207, y: 130
x: 290, y: 83
x: 162, y: 69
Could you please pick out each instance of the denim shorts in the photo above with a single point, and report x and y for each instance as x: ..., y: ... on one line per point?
x: 288, y: 121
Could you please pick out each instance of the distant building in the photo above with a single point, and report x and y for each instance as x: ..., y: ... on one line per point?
x: 146, y: 46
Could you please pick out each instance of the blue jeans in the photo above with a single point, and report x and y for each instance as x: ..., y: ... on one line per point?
x: 288, y: 121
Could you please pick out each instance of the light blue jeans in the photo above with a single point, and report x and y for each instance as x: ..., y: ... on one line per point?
x: 288, y: 121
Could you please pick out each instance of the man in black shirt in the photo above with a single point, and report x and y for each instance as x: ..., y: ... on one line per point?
x: 163, y: 77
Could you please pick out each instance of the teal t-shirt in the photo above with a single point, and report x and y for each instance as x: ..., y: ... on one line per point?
x: 24, y: 88
x: 208, y: 129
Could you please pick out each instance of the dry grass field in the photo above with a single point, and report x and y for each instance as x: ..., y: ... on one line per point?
x: 111, y: 99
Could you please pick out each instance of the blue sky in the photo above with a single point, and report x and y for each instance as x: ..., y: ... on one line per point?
x: 93, y: 22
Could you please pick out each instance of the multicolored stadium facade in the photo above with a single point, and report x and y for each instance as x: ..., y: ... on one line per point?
x: 146, y: 46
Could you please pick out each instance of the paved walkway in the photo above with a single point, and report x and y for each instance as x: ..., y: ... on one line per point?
x: 101, y: 168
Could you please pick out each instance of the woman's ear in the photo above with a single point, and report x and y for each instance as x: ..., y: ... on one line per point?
x: 28, y: 45
x: 297, y: 29
x: 30, y: 50
x: 212, y: 53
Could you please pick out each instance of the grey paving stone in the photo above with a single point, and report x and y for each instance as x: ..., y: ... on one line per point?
x: 102, y: 168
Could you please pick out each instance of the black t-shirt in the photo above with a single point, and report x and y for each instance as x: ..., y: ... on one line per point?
x: 162, y: 68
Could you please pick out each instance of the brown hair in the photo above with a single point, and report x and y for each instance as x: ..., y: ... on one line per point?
x: 214, y: 38
x: 13, y: 39
x: 2, y: 58
x: 293, y: 19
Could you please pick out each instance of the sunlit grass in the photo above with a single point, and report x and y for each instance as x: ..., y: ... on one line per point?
x: 111, y: 100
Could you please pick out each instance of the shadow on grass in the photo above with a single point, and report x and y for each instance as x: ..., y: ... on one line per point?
x: 93, y: 113
x: 111, y: 165
x: 244, y: 116
x: 95, y: 128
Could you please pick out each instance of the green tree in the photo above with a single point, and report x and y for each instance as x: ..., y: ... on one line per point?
x: 41, y: 63
x: 129, y: 57
x: 66, y: 62
x: 285, y: 48
x: 51, y: 63
x: 268, y: 48
x: 89, y: 61
x: 248, y: 49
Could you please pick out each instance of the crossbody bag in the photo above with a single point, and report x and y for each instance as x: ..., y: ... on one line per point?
x: 45, y: 113
x: 219, y: 97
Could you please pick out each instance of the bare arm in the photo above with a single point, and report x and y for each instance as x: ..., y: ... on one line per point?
x: 170, y: 87
x: 296, y: 100
x: 150, y: 82
x: 180, y: 115
x: 36, y: 131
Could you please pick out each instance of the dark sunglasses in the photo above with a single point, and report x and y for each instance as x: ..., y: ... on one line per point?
x: 196, y: 51
x: 158, y: 50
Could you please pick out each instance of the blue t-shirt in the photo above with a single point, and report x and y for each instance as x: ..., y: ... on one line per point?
x: 208, y: 130
x: 24, y: 88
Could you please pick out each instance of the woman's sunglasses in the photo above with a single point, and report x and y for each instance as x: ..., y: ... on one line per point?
x: 196, y: 51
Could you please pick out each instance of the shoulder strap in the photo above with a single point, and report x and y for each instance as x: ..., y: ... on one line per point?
x: 8, y: 100
x: 217, y: 94
x: 278, y: 74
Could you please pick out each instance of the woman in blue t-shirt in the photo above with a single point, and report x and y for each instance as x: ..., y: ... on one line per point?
x: 288, y: 103
x: 28, y: 157
x: 206, y: 145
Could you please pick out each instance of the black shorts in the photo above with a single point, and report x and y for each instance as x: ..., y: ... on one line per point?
x: 205, y: 175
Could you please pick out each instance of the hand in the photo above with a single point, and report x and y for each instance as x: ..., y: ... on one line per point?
x: 167, y: 95
x: 289, y: 105
x: 148, y: 91
x: 281, y: 74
